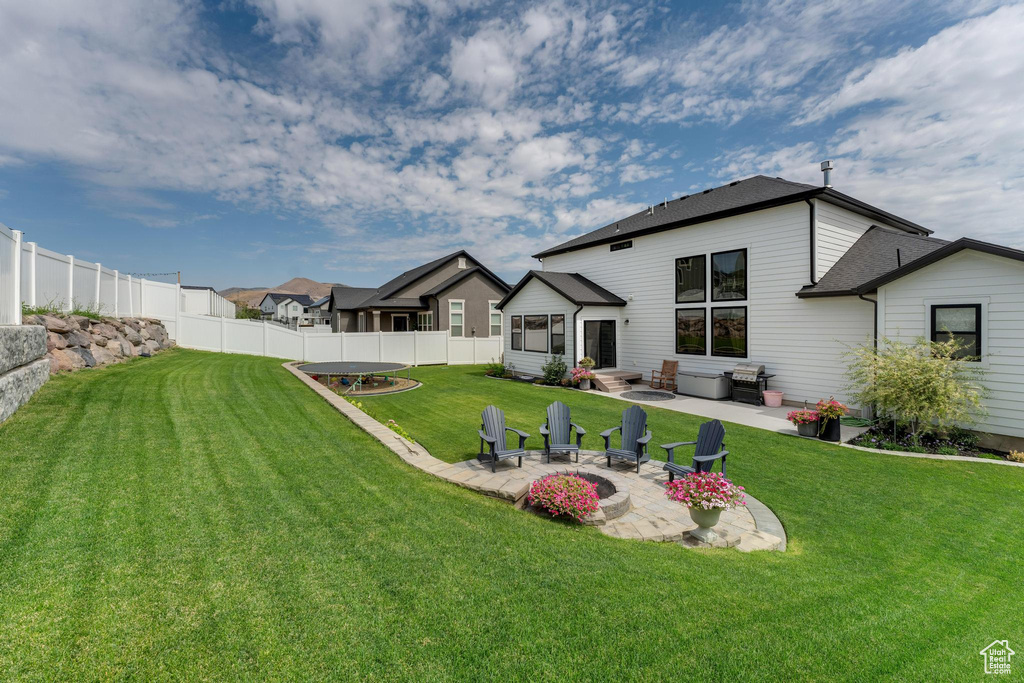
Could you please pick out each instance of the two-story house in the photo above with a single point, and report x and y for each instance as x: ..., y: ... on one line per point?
x: 773, y: 272
x: 286, y: 308
x: 455, y: 293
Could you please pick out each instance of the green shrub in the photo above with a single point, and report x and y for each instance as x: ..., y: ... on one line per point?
x: 244, y: 311
x: 495, y: 369
x: 554, y: 370
x: 924, y: 386
x: 947, y: 450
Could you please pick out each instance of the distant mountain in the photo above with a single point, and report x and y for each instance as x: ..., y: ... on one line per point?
x: 252, y: 296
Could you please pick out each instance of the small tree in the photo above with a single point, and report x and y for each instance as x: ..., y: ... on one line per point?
x: 924, y: 386
x: 244, y: 311
x: 554, y: 370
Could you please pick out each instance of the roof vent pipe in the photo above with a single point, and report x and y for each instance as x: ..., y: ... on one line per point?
x: 826, y: 168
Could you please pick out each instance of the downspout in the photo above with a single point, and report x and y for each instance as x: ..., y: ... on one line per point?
x: 813, y: 213
x: 574, y: 340
x: 874, y: 303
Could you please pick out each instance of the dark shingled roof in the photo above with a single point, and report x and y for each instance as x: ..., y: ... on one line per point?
x: 410, y: 276
x: 458, y: 277
x: 573, y: 286
x: 738, y: 197
x: 870, y: 257
x: 348, y: 298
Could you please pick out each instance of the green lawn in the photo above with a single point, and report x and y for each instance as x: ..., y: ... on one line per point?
x: 201, y: 515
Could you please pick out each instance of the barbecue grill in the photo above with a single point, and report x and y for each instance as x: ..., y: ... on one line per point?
x: 747, y: 382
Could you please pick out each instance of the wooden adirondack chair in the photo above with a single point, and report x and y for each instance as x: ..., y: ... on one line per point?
x: 666, y: 377
x: 557, y: 432
x: 492, y: 431
x: 635, y: 436
x: 709, y: 447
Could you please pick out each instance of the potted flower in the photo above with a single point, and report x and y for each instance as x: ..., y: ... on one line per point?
x: 806, y: 421
x: 706, y: 495
x: 581, y: 376
x: 829, y: 413
x: 587, y: 362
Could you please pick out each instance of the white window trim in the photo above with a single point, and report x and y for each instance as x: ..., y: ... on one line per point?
x: 501, y: 318
x: 429, y: 315
x: 462, y: 312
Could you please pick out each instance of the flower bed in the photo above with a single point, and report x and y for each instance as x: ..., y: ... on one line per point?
x: 706, y: 491
x: 888, y: 437
x: 565, y: 494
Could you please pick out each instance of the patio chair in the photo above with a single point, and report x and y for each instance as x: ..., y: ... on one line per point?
x: 492, y: 430
x: 557, y: 432
x: 666, y: 377
x: 709, y: 447
x: 634, y: 446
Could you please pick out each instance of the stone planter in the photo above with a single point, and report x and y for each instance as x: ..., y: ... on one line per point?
x: 705, y: 521
x: 808, y: 428
x: 829, y: 430
x: 585, y: 384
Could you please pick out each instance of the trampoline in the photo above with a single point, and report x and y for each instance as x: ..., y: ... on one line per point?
x: 358, y: 369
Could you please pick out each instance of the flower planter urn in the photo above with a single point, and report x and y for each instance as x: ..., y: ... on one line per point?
x: 772, y: 399
x: 705, y: 521
x: 585, y: 384
x: 808, y: 428
x: 829, y: 430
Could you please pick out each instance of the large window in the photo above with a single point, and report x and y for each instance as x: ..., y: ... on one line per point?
x: 425, y: 321
x: 690, y: 279
x: 691, y: 331
x: 495, y: 318
x: 959, y: 322
x: 729, y: 332
x: 517, y: 333
x: 558, y: 334
x: 729, y: 275
x: 535, y: 337
x: 455, y: 318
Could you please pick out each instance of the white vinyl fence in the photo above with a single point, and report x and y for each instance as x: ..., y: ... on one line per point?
x: 263, y: 338
x: 36, y: 276
x: 206, y: 302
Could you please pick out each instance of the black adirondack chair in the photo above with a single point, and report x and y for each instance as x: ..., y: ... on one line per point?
x: 709, y: 447
x: 557, y: 432
x: 634, y: 438
x: 492, y: 431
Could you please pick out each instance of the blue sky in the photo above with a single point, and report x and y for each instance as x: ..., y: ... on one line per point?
x: 248, y: 142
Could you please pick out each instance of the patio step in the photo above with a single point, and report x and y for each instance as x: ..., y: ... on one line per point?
x: 610, y: 384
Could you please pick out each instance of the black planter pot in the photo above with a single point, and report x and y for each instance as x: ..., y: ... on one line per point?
x: 808, y: 428
x: 829, y: 430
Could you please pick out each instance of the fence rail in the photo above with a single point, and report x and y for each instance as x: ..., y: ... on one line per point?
x: 38, y: 277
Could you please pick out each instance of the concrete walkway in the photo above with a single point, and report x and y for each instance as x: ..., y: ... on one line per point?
x: 762, y: 417
x: 638, y: 509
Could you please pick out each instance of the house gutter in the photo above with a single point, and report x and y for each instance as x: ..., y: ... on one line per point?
x: 874, y: 318
x: 579, y: 308
x: 813, y: 223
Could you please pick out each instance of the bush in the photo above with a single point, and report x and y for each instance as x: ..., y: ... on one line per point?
x: 244, y: 311
x: 923, y: 386
x: 706, y: 491
x: 947, y: 450
x: 554, y: 370
x: 494, y: 369
x: 1016, y: 456
x: 565, y: 494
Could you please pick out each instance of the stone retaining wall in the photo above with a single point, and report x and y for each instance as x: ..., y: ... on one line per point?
x: 74, y: 341
x: 23, y: 367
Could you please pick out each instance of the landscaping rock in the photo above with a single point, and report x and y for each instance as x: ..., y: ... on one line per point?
x: 132, y: 335
x: 98, y: 340
x: 20, y: 344
x: 55, y: 341
x: 102, y: 356
x: 54, y: 324
x: 104, y: 330
x: 79, y: 338
x: 82, y: 322
x: 152, y: 345
x: 85, y: 354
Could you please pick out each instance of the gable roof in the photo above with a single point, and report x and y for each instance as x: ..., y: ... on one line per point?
x: 949, y: 249
x: 877, y: 252
x: 348, y: 298
x: 573, y: 286
x: 738, y: 197
x: 321, y: 301
x: 459, y: 277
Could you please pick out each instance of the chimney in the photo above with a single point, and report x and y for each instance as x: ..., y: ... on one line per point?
x: 826, y: 168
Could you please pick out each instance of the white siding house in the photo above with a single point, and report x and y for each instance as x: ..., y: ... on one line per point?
x: 770, y: 272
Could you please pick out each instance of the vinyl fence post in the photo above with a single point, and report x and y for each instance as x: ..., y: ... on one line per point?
x: 223, y: 335
x: 305, y: 352
x: 117, y: 286
x: 177, y: 316
x: 33, y: 250
x: 342, y: 342
x: 415, y: 347
x: 266, y: 333
x: 16, y: 271
x: 142, y: 298
x: 380, y: 346
x: 71, y: 282
x: 131, y: 298
x: 474, y: 351
x: 99, y: 276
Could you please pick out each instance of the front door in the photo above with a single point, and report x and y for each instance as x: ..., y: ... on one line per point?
x: 599, y: 342
x: 399, y: 323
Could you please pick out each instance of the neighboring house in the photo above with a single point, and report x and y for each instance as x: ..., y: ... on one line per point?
x: 320, y: 311
x: 455, y: 293
x: 286, y: 308
x: 775, y: 272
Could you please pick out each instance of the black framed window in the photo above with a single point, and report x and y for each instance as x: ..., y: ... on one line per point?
x: 729, y: 275
x: 691, y: 331
x: 729, y: 332
x: 690, y: 279
x: 535, y: 333
x: 558, y: 334
x: 959, y: 322
x: 517, y: 333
